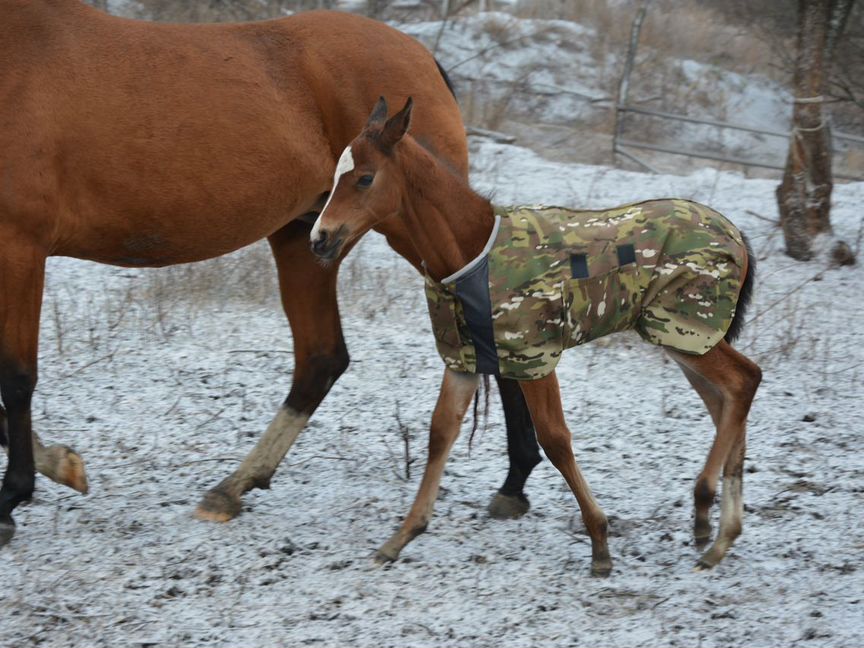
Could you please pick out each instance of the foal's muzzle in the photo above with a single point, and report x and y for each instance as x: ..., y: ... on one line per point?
x: 327, y: 245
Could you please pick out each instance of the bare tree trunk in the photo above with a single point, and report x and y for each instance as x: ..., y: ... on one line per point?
x: 804, y: 196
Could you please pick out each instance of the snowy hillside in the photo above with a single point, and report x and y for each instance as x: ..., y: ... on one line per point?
x: 164, y: 396
x: 517, y: 75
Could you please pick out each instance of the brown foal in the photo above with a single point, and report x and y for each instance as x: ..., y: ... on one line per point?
x: 141, y: 144
x: 385, y: 175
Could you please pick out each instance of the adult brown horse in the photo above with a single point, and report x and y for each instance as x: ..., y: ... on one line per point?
x: 140, y: 144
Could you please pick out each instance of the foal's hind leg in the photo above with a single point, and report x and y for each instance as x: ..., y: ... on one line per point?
x: 544, y: 401
x: 735, y: 378
x: 309, y: 297
x: 457, y: 389
x: 704, y: 491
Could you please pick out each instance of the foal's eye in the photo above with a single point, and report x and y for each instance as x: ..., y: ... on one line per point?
x: 365, y: 181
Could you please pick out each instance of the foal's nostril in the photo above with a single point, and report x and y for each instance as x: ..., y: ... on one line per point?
x: 319, y: 245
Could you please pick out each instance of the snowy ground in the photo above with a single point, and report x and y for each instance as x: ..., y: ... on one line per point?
x: 164, y: 396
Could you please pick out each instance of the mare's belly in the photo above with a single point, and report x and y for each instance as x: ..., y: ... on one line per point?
x: 186, y: 237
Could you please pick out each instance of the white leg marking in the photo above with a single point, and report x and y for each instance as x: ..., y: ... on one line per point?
x: 268, y: 453
x: 343, y: 166
x: 731, y: 508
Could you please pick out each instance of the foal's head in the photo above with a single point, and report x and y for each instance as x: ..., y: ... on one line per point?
x: 368, y: 185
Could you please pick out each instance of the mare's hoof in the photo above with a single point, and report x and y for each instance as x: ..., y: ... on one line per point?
x: 69, y: 468
x: 7, y: 531
x: 218, y: 506
x: 508, y: 507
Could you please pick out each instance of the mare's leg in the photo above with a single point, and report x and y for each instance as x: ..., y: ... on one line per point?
x: 22, y: 276
x: 457, y: 390
x: 309, y: 298
x: 544, y: 401
x: 735, y: 378
x: 522, y: 449
x: 59, y: 463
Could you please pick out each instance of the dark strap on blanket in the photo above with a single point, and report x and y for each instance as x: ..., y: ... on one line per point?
x: 472, y: 289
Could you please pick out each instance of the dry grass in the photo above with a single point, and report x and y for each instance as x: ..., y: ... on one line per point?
x: 672, y: 28
x: 247, y: 276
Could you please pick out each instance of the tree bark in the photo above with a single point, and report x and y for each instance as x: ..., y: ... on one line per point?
x: 804, y: 196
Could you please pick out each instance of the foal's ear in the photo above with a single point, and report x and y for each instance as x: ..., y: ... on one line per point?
x: 396, y: 127
x: 379, y: 115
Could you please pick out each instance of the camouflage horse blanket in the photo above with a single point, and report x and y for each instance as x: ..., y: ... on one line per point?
x: 551, y: 278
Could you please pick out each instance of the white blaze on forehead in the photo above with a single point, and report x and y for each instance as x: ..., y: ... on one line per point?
x: 343, y: 166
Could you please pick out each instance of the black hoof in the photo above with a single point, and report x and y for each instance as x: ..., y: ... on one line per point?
x: 508, y: 507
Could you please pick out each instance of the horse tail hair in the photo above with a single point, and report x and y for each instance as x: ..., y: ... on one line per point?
x: 476, y: 423
x: 744, y: 296
x: 446, y: 78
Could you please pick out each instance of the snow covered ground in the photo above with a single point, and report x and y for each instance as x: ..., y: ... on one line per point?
x: 163, y: 394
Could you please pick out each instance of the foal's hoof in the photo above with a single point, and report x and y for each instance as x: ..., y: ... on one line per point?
x: 7, y: 531
x: 508, y: 507
x: 701, y: 534
x: 383, y: 558
x: 218, y: 506
x: 601, y: 568
x: 388, y: 553
x: 709, y: 560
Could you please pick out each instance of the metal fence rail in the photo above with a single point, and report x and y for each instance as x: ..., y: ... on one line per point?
x: 622, y: 107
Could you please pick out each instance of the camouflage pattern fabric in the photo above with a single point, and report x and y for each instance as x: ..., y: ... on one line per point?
x: 670, y: 269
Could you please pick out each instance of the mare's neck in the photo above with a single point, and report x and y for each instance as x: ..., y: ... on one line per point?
x: 448, y: 223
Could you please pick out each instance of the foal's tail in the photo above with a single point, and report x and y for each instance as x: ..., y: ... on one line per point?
x: 744, y: 296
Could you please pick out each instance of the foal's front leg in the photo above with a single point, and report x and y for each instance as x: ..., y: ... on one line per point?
x: 457, y: 390
x: 544, y: 402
